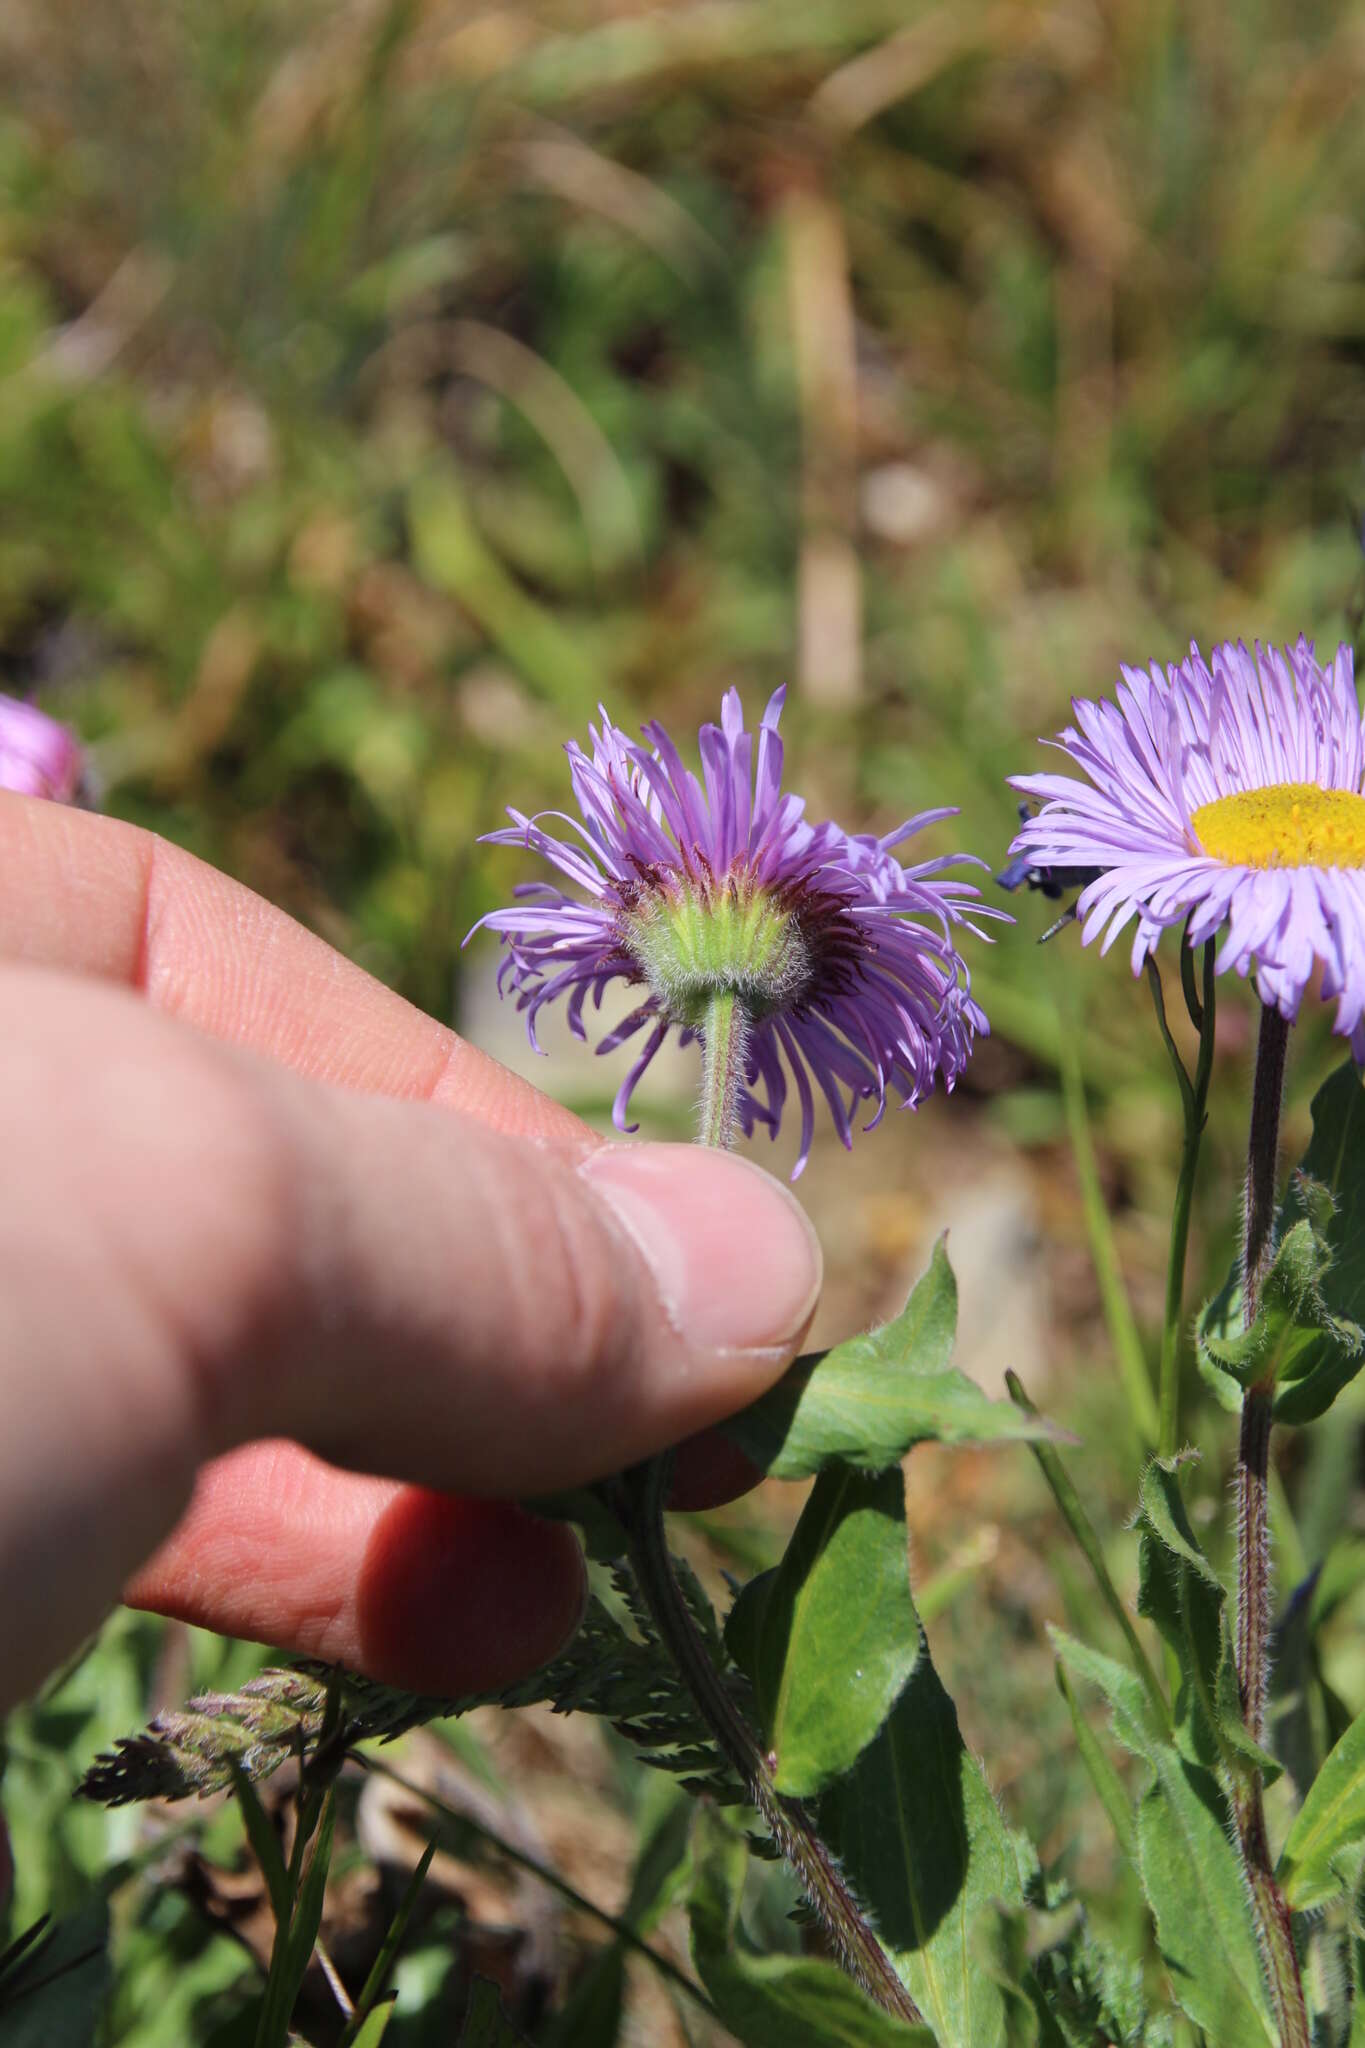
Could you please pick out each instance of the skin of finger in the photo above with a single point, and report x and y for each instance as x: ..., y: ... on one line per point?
x: 431, y: 1591
x: 98, y: 896
x: 130, y: 1241
x: 227, y: 1304
x: 92, y: 895
x: 424, y: 1590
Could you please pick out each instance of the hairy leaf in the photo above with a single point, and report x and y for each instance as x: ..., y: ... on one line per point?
x: 831, y: 1636
x: 1101, y: 1773
x: 1309, y: 1330
x: 1182, y: 1593
x: 1297, y: 1718
x: 1188, y: 1867
x: 1324, y: 1842
x: 917, y: 1831
x: 774, y: 2001
x: 628, y: 1678
x: 868, y: 1400
x: 1194, y: 1885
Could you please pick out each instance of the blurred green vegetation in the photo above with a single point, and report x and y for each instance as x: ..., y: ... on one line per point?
x: 382, y: 384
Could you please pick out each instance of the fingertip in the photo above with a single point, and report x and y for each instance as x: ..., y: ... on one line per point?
x: 734, y: 1256
x: 455, y: 1595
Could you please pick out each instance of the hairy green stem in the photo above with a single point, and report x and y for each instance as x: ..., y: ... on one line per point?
x: 639, y: 1498
x: 1194, y: 1096
x: 1273, y: 1923
x: 725, y: 1042
x: 640, y: 1502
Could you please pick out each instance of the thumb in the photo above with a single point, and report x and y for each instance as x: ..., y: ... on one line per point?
x: 199, y: 1249
x: 503, y: 1315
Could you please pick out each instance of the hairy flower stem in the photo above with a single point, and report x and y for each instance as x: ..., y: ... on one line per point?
x: 1273, y: 1923
x: 640, y: 1502
x: 725, y: 1042
x: 639, y: 1499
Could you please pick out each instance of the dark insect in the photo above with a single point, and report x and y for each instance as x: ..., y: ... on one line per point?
x: 1054, y: 883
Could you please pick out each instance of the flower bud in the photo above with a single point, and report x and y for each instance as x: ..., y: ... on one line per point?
x: 38, y: 757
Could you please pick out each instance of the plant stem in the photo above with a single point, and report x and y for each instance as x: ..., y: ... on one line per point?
x: 638, y: 1498
x: 1118, y: 1314
x: 725, y: 1042
x: 1274, y: 1925
x: 640, y: 1503
x: 1194, y: 1096
x: 1083, y: 1529
x: 1267, y: 1089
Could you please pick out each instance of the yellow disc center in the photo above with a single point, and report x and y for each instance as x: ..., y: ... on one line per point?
x: 1292, y: 825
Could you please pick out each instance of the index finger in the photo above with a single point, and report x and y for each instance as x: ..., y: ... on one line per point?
x: 95, y: 896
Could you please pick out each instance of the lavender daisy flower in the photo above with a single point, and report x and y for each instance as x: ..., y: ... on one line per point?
x: 38, y: 757
x: 1230, y: 794
x: 786, y: 947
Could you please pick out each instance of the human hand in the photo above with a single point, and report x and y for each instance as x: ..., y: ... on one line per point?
x: 263, y: 1221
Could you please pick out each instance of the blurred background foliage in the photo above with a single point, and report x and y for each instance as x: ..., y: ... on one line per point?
x: 384, y: 383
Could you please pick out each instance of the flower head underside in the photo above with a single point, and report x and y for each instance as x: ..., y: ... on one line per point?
x: 842, y: 960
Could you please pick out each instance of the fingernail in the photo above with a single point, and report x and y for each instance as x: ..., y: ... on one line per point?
x: 736, y: 1261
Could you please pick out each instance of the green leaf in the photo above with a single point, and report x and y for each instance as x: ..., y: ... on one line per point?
x: 376, y: 2025
x: 1101, y: 1773
x: 1296, y: 1341
x: 773, y: 2001
x: 591, y: 2015
x: 1188, y: 1867
x: 913, y: 1824
x: 918, y: 1834
x: 486, y: 2025
x: 1194, y: 1885
x: 1005, y: 1944
x: 55, y: 1989
x: 1356, y: 1944
x: 603, y: 1537
x: 1131, y: 1708
x: 831, y: 1636
x: 294, y: 1945
x: 1314, y: 1864
x: 1313, y: 1303
x: 1182, y: 1593
x: 868, y: 1400
x: 367, y: 2006
x: 1296, y: 1713
x: 264, y: 1841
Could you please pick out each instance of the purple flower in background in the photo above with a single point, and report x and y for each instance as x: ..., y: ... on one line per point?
x: 38, y: 757
x: 1229, y: 793
x: 841, y: 960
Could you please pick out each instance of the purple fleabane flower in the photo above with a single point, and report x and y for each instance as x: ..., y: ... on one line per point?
x: 1230, y: 794
x: 38, y: 757
x: 840, y: 961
